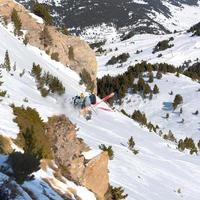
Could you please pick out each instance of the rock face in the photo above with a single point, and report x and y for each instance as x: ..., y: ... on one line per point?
x: 67, y: 149
x: 95, y: 176
x: 69, y: 50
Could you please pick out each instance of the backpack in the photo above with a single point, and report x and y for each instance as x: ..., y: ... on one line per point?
x: 92, y: 99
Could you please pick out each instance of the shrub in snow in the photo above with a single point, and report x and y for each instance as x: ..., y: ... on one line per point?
x: 155, y: 89
x: 140, y: 84
x: 170, y: 136
x: 97, y: 44
x: 139, y: 117
x: 195, y: 29
x: 187, y: 143
x: 177, y: 100
x: 108, y: 149
x: 193, y: 71
x: 119, y: 59
x: 16, y: 21
x: 150, y: 75
x: 47, y: 81
x: 32, y: 132
x: 42, y: 11
x: 131, y: 143
x: 162, y: 45
x: 23, y: 165
x: 151, y: 127
x: 6, y: 64
x: 146, y: 90
x: 115, y: 193
x: 3, y: 93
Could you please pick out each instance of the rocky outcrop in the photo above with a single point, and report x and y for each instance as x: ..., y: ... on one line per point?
x: 95, y: 176
x: 69, y: 50
x: 67, y: 149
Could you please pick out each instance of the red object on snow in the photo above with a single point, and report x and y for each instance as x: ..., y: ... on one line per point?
x: 106, y: 98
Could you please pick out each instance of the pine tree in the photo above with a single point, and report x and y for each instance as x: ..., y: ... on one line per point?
x: 177, y: 100
x: 131, y: 143
x: 146, y: 90
x: 42, y: 11
x: 155, y: 89
x: 150, y: 77
x: 158, y: 75
x: 7, y: 61
x: 141, y: 84
x: 17, y: 22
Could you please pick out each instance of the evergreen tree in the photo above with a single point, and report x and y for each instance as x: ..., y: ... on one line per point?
x: 177, y: 100
x: 42, y: 11
x: 131, y: 143
x: 23, y: 165
x: 141, y: 84
x: 16, y: 20
x: 109, y: 150
x: 29, y: 144
x: 155, y: 89
x: 158, y: 75
x: 146, y: 90
x: 117, y: 193
x: 7, y: 61
x: 150, y: 77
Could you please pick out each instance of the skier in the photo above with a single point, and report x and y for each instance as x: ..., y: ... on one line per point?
x: 85, y: 108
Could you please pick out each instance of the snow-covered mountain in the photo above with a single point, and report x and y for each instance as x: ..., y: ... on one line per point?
x: 136, y: 15
x: 158, y: 171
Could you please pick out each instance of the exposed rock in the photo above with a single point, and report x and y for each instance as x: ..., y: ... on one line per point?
x: 96, y: 175
x: 71, y: 50
x: 67, y: 149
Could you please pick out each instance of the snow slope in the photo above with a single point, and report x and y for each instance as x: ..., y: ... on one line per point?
x: 157, y: 172
x: 161, y: 104
x: 185, y: 48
